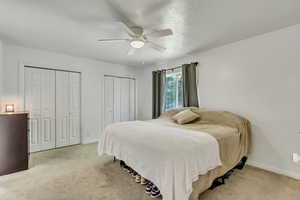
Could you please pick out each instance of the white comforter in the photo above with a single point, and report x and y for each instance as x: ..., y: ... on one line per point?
x: 172, y: 158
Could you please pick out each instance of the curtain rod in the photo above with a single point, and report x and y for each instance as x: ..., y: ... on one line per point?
x: 172, y: 69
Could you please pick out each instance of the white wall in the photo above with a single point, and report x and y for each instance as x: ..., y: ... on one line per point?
x: 258, y: 78
x: 92, y: 81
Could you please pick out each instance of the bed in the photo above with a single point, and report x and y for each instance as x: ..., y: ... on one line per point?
x: 231, y: 142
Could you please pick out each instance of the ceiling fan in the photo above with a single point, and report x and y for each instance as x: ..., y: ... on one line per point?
x: 137, y: 38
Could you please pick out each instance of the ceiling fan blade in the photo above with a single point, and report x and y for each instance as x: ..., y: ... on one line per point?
x: 131, y: 51
x: 129, y: 28
x: 121, y: 16
x: 156, y: 46
x: 159, y: 33
x: 111, y: 40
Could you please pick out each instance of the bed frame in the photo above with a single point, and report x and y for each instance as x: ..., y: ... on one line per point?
x: 221, y: 180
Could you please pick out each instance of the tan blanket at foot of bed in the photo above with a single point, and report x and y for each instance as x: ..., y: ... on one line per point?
x: 232, y: 132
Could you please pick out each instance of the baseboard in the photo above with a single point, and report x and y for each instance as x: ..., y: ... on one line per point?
x: 274, y: 169
x: 90, y: 141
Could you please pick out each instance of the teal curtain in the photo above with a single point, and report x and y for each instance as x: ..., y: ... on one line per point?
x: 158, y: 92
x: 189, y: 75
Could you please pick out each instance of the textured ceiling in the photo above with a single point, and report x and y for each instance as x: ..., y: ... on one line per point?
x: 73, y: 27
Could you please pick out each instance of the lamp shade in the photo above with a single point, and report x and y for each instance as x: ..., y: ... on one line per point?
x: 9, y: 108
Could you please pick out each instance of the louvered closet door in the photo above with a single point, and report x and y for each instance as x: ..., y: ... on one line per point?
x: 74, y: 108
x: 62, y: 109
x: 40, y: 102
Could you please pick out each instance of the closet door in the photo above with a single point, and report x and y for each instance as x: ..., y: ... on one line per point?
x: 40, y: 103
x: 108, y: 101
x: 62, y: 109
x: 117, y: 99
x: 48, y: 109
x: 74, y: 107
x: 132, y: 100
x: 125, y: 99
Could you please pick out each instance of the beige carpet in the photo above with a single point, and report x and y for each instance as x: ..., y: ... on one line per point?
x: 76, y: 173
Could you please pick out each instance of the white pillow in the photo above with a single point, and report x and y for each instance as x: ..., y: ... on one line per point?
x: 185, y: 116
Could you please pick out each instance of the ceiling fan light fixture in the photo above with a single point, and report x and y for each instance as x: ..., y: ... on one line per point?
x: 137, y: 44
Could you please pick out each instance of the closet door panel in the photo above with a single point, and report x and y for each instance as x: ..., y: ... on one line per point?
x: 48, y: 109
x: 125, y: 99
x: 132, y: 100
x: 108, y: 101
x: 33, y: 105
x: 40, y: 103
x: 62, y: 109
x: 117, y: 99
x: 75, y: 108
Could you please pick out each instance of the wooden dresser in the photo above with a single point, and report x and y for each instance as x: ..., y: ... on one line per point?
x: 13, y: 142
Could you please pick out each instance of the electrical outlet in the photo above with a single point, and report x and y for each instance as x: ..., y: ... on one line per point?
x: 296, y: 158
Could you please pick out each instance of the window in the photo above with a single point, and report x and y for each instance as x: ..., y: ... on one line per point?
x: 174, y: 90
